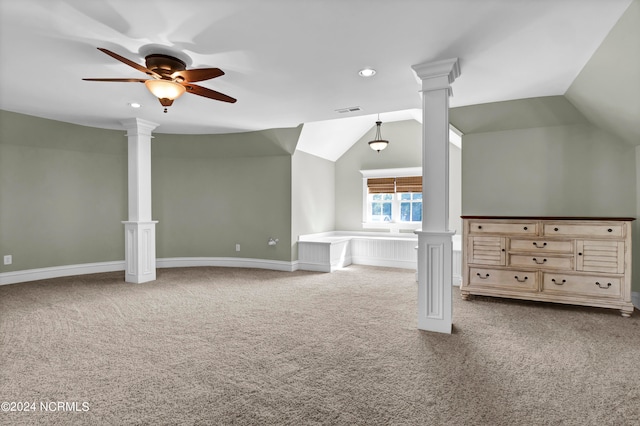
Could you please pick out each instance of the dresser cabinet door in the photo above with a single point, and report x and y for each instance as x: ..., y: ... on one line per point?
x: 487, y: 250
x: 600, y: 256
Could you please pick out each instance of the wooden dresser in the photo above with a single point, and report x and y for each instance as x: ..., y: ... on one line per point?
x: 581, y: 261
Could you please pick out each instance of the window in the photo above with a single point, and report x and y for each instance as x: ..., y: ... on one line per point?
x: 392, y: 199
x: 395, y: 207
x: 410, y: 207
x: 381, y: 207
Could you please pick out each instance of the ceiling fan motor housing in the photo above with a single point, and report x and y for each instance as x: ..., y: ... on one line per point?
x: 164, y: 65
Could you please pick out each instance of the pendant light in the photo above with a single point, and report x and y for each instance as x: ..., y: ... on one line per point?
x: 378, y: 144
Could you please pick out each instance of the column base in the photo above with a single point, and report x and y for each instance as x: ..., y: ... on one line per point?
x: 435, y: 304
x: 140, y: 251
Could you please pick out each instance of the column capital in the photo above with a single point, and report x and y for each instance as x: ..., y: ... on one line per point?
x: 437, y: 75
x: 138, y: 126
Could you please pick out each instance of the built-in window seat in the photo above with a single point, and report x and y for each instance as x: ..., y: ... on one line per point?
x: 329, y: 251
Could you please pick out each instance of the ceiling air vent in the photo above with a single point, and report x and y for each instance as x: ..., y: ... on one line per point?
x: 350, y: 109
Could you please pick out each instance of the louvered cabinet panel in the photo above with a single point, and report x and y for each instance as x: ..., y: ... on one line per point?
x: 487, y: 250
x: 600, y: 256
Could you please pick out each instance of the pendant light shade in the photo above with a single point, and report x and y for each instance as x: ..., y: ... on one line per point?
x: 378, y: 144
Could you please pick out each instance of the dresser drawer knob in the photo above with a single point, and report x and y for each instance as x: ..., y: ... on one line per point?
x: 609, y: 230
x: 535, y: 243
x: 558, y: 282
x: 556, y: 229
x: 580, y: 254
x: 519, y: 280
x: 540, y: 263
x: 601, y: 286
x: 481, y: 277
x: 525, y: 228
x: 479, y: 226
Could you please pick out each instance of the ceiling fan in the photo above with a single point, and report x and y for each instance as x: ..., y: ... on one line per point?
x: 170, y: 78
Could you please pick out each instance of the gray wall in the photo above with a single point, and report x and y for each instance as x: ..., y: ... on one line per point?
x: 63, y: 193
x: 211, y: 192
x: 574, y: 170
x: 312, y: 197
x: 559, y: 170
x: 404, y: 150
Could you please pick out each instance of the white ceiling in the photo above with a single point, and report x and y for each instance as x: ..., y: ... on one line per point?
x: 289, y: 61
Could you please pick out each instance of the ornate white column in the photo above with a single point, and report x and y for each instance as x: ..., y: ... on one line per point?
x: 434, y: 239
x: 139, y: 230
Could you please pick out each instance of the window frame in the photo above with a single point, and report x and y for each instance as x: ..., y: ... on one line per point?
x: 392, y: 226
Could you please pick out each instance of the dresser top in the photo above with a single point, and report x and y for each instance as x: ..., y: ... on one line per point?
x: 622, y: 219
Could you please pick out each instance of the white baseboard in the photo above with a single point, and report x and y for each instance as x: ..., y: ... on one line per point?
x: 177, y: 262
x: 59, y: 271
x: 456, y: 280
x: 387, y: 263
x: 229, y: 262
x: 635, y: 299
x: 185, y: 262
x: 313, y: 267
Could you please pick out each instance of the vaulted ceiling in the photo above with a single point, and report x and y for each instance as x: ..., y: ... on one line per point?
x: 289, y: 62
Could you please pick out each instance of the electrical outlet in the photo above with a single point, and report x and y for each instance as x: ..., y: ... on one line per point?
x: 8, y: 259
x: 237, y: 247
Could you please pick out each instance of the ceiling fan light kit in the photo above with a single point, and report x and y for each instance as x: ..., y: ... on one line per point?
x: 169, y: 78
x: 165, y: 89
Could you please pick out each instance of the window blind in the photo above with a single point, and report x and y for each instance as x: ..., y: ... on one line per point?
x: 392, y: 185
x: 409, y: 184
x: 381, y: 185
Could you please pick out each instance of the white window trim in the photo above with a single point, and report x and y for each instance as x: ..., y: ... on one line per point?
x: 383, y: 173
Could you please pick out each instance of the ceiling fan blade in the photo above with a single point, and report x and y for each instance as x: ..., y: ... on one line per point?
x: 130, y: 63
x: 122, y: 80
x: 208, y: 93
x: 198, y: 74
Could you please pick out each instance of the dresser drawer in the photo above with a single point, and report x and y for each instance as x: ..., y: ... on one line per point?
x: 541, y: 246
x: 541, y: 261
x: 507, y: 279
x: 615, y: 230
x: 592, y: 285
x: 511, y: 228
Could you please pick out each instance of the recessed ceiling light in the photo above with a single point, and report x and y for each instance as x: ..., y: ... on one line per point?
x: 367, y: 72
x: 134, y: 105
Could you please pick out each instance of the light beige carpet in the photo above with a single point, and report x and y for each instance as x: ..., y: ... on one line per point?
x: 227, y: 346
